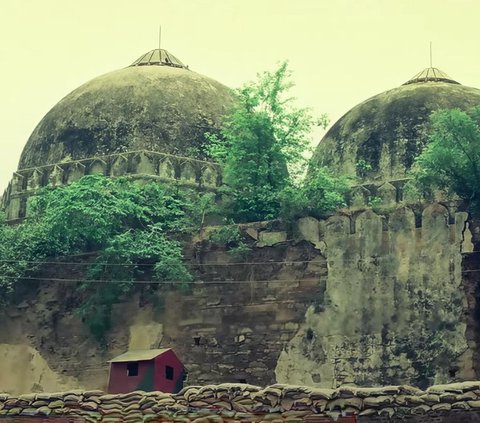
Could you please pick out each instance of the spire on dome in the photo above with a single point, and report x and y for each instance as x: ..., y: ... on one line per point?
x: 431, y: 75
x: 158, y: 57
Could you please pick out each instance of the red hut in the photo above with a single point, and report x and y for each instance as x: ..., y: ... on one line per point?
x: 146, y: 370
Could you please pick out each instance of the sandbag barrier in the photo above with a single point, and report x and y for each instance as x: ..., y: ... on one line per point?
x: 248, y: 403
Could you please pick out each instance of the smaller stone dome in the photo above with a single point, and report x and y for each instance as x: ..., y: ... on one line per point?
x: 388, y: 131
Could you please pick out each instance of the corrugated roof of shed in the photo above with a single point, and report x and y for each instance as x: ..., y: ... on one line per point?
x: 139, y: 355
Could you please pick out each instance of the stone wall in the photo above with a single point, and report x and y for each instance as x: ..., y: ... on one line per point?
x: 137, y: 164
x: 358, y: 298
x: 230, y: 327
x: 393, y: 310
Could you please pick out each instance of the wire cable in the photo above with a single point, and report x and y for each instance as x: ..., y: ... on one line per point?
x: 148, y: 282
x: 152, y: 264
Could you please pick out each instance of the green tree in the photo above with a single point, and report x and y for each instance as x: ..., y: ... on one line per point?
x: 318, y: 195
x: 262, y: 146
x: 135, y: 229
x: 451, y: 159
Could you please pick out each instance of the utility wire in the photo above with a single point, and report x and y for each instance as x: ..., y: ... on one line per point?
x: 152, y: 264
x: 253, y: 263
x: 194, y: 283
x: 160, y: 282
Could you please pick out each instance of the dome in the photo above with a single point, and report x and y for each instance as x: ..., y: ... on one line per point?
x: 388, y: 131
x: 155, y: 104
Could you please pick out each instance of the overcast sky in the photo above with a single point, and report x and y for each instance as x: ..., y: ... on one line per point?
x: 341, y: 51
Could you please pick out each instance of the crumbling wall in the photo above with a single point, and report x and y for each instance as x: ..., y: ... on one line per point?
x: 393, y: 310
x: 362, y: 297
x: 231, y: 326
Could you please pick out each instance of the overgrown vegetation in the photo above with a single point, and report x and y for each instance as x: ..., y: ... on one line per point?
x: 451, y: 160
x: 318, y: 195
x: 230, y: 237
x: 263, y: 150
x: 136, y: 230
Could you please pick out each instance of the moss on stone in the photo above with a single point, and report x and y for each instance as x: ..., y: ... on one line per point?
x: 157, y: 108
x: 389, y: 130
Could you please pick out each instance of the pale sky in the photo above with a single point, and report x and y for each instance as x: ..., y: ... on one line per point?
x: 341, y: 51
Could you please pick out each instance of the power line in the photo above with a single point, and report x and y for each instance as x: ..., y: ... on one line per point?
x: 147, y: 282
x: 251, y: 263
x: 152, y: 264
x: 194, y: 283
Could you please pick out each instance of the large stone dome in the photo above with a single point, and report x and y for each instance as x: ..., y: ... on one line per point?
x: 156, y: 104
x: 388, y: 131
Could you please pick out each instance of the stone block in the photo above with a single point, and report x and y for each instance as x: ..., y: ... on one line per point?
x: 308, y: 229
x: 268, y: 239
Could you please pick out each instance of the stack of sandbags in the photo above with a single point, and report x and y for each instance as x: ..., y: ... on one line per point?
x: 57, y: 404
x: 242, y: 402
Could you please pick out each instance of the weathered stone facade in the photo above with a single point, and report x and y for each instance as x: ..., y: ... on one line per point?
x: 379, y: 139
x: 360, y: 297
x: 393, y: 310
x: 366, y: 296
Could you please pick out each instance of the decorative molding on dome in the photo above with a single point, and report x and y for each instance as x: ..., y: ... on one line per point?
x: 158, y: 57
x: 431, y: 75
x: 138, y: 164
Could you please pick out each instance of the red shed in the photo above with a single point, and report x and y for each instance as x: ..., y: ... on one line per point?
x: 146, y: 370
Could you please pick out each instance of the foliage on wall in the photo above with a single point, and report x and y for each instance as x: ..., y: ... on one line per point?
x: 451, y: 159
x: 136, y: 230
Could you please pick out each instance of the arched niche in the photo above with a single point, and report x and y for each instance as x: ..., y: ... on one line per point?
x: 144, y: 165
x: 75, y: 172
x: 55, y: 178
x: 209, y: 176
x: 368, y: 233
x: 167, y: 169
x: 17, y: 183
x: 188, y: 172
x: 435, y: 229
x: 337, y: 225
x: 359, y: 196
x: 388, y: 194
x: 97, y: 167
x: 35, y: 179
x: 401, y: 220
x: 119, y: 166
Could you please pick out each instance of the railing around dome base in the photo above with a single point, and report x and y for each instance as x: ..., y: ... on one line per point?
x: 136, y: 164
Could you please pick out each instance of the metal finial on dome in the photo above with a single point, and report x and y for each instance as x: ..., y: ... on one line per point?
x: 158, y: 57
x: 431, y: 75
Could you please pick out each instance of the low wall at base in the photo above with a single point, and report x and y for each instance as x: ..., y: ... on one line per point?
x: 247, y: 403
